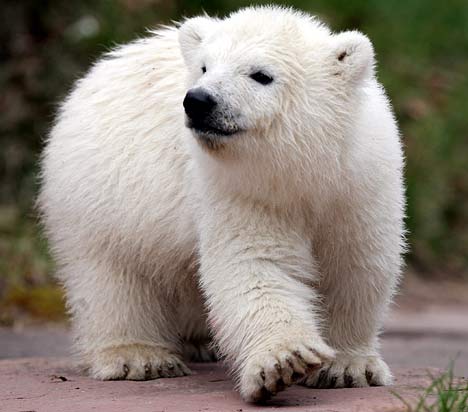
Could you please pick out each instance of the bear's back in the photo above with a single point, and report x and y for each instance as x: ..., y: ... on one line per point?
x: 116, y: 161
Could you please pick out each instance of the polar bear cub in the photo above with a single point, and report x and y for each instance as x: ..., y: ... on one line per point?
x: 231, y: 182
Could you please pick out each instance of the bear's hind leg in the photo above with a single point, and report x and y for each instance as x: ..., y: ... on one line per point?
x: 197, y: 343
x: 200, y: 351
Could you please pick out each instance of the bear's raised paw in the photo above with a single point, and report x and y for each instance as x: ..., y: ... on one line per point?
x: 273, y: 371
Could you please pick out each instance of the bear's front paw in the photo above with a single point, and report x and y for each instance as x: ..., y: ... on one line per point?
x: 269, y: 372
x: 136, y: 362
x: 348, y: 371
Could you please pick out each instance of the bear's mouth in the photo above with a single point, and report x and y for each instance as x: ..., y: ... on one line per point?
x: 211, y: 131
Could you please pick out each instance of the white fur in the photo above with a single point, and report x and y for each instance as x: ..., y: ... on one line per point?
x: 294, y: 226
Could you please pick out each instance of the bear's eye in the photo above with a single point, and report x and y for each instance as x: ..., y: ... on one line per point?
x: 203, y: 69
x: 261, y: 78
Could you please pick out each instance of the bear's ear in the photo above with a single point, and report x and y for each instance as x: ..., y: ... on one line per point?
x: 353, y: 56
x: 192, y: 32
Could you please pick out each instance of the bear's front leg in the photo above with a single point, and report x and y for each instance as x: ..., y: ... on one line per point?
x: 256, y: 273
x: 122, y: 324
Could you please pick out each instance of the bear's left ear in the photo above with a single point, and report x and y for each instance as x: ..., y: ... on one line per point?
x: 192, y: 32
x: 353, y: 56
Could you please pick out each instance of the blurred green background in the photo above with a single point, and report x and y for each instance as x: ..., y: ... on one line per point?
x: 422, y: 51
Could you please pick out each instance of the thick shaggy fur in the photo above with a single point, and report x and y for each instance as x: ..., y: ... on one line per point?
x: 291, y: 229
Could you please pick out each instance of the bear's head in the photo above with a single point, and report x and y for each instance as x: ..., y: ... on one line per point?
x: 270, y: 73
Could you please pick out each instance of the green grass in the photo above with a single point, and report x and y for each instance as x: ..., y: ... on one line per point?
x: 445, y: 394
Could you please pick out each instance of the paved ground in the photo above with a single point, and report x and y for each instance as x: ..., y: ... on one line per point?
x: 430, y: 338
x: 416, y: 339
x: 50, y: 385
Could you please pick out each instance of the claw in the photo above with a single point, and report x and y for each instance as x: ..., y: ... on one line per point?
x: 348, y: 380
x: 126, y: 369
x: 147, y: 371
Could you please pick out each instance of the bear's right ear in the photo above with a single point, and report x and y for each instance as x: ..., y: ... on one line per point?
x: 191, y: 34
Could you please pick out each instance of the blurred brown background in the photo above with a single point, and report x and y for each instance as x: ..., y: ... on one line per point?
x: 422, y: 51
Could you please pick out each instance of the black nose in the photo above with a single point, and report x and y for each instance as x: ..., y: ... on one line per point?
x: 198, y: 104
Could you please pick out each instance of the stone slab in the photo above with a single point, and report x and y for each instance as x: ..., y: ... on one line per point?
x: 52, y: 385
